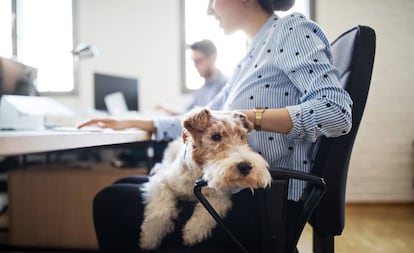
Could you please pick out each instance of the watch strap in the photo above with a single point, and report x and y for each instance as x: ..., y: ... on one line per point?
x: 258, y: 116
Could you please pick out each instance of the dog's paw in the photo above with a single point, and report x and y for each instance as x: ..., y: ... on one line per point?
x: 146, y: 242
x: 193, y: 236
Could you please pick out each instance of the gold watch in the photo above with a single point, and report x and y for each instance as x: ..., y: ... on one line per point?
x: 258, y: 115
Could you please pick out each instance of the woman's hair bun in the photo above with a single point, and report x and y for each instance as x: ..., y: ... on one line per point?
x: 282, y: 5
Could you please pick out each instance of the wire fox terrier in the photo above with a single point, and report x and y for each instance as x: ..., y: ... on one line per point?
x: 215, y: 148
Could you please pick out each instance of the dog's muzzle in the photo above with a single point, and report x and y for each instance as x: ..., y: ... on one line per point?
x: 244, y: 168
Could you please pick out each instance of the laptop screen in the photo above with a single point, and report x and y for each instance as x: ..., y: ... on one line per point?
x: 116, y: 104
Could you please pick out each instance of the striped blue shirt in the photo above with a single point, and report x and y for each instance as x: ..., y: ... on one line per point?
x: 288, y: 65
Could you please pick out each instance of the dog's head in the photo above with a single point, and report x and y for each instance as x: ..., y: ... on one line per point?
x: 220, y: 147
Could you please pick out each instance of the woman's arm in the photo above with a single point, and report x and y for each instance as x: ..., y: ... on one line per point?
x: 272, y: 120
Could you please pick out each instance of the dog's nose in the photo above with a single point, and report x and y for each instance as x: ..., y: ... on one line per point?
x: 244, y: 168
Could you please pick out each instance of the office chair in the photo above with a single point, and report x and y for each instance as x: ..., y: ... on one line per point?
x: 353, y: 53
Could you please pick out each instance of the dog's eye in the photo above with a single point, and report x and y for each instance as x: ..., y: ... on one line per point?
x: 216, y: 137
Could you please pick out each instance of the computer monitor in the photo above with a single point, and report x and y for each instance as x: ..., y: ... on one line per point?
x: 17, y: 78
x: 105, y: 84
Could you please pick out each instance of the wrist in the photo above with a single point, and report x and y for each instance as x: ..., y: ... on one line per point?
x: 258, y: 118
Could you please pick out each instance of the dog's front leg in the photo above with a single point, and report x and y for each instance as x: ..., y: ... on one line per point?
x: 159, y: 214
x: 200, y: 225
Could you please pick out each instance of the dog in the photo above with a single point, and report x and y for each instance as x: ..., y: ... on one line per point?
x: 214, y: 147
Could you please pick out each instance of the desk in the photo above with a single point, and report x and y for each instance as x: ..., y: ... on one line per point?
x: 27, y: 142
x: 39, y: 221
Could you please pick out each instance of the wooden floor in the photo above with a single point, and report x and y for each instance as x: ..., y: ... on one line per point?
x: 370, y: 228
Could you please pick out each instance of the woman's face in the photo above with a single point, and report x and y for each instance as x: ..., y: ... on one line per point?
x: 228, y: 13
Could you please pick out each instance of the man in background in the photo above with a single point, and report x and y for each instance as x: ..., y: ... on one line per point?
x: 204, y: 55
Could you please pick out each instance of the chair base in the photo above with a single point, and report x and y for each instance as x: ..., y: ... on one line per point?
x: 323, y: 244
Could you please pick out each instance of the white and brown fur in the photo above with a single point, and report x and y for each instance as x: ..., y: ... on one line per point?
x: 215, y: 147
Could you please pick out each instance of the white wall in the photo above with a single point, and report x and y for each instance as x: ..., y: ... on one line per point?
x: 140, y: 38
x: 382, y: 164
x: 136, y: 38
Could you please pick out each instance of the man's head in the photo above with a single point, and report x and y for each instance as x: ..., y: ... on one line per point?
x: 204, y: 54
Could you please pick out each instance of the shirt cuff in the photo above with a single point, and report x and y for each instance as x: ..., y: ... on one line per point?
x: 167, y: 128
x: 297, y: 130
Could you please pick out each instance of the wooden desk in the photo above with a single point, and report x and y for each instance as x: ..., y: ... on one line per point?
x: 27, y: 142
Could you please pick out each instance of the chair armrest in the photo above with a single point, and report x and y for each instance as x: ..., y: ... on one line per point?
x: 283, y: 173
x: 279, y: 176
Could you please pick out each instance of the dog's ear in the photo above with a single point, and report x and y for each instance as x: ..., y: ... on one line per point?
x: 197, y: 120
x: 185, y: 136
x: 244, y: 120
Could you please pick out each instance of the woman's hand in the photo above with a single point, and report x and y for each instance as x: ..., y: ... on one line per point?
x: 142, y: 124
x: 106, y: 123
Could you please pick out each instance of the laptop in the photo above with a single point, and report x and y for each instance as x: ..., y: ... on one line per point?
x: 117, y: 106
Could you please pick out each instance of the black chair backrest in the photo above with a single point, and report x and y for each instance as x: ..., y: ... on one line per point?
x: 353, y: 53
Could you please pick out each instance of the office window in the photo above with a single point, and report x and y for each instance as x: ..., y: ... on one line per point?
x: 230, y: 48
x: 6, y: 42
x: 41, y: 32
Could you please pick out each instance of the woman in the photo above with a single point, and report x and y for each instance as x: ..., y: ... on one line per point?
x: 287, y: 86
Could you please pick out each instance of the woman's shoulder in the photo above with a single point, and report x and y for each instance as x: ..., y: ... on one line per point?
x: 295, y: 19
x: 296, y: 25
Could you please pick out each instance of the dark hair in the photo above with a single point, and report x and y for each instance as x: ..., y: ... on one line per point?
x: 276, y: 5
x: 207, y: 47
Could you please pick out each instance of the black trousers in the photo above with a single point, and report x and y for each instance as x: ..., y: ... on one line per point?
x: 118, y: 214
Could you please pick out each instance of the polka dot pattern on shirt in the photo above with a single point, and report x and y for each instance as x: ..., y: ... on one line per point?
x: 287, y: 66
